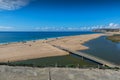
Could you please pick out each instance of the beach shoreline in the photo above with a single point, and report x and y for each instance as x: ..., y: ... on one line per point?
x: 40, y: 48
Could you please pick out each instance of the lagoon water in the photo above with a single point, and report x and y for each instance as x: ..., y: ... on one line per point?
x: 67, y: 60
x: 7, y: 37
x: 105, y: 49
x: 100, y: 47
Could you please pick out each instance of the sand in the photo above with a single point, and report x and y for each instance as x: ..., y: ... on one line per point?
x: 43, y: 48
x: 29, y: 50
x: 75, y: 42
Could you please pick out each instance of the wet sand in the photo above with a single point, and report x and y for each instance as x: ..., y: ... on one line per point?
x: 42, y: 48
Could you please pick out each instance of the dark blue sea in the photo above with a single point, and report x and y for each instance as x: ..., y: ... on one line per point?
x: 8, y: 37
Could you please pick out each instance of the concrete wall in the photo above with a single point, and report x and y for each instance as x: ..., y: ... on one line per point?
x: 27, y: 73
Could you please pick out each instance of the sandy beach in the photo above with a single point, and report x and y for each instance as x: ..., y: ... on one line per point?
x: 42, y: 48
x: 75, y: 42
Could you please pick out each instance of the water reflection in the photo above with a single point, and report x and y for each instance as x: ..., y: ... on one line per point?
x: 105, y: 49
x: 118, y: 46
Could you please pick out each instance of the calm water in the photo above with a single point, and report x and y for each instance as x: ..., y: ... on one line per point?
x: 67, y: 60
x: 61, y: 61
x: 6, y: 37
x: 105, y: 49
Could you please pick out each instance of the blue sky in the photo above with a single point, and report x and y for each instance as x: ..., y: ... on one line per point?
x: 58, y: 15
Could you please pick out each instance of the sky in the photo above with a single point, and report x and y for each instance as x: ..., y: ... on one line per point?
x: 58, y: 15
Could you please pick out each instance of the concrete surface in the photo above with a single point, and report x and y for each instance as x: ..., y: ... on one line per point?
x: 27, y: 73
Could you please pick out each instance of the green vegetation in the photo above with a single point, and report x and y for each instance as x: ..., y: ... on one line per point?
x: 57, y: 61
x: 114, y: 38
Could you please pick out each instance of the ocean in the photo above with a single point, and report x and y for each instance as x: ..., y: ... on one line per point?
x: 8, y: 37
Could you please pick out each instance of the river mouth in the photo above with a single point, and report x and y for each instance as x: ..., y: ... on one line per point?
x: 104, y: 49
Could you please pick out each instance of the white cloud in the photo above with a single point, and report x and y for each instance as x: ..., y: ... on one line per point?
x: 81, y: 28
x: 62, y: 28
x: 3, y: 28
x: 110, y: 25
x: 113, y: 25
x: 57, y: 28
x: 13, y: 4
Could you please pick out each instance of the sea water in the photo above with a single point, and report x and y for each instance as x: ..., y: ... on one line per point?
x: 7, y: 37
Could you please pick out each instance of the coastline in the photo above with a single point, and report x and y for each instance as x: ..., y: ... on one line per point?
x: 13, y: 42
x: 39, y: 48
x: 75, y: 42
